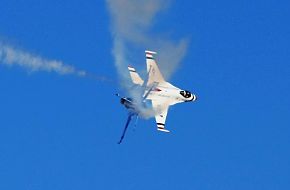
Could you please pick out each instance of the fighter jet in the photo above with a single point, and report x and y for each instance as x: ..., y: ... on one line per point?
x: 155, y: 89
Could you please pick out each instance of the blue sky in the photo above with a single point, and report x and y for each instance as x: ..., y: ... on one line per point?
x: 60, y: 131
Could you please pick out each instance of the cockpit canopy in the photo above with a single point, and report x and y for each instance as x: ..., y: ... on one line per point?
x: 185, y: 93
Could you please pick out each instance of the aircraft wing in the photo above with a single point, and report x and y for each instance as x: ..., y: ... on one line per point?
x: 154, y: 74
x: 161, y: 109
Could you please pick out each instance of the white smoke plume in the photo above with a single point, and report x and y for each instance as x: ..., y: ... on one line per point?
x: 12, y: 56
x: 131, y: 28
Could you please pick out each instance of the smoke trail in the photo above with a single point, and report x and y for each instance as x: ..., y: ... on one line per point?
x: 11, y: 56
x: 131, y: 28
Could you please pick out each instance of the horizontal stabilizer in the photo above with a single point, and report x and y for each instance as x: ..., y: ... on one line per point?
x: 136, y: 79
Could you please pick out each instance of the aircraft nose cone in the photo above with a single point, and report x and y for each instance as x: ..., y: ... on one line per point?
x: 194, y: 97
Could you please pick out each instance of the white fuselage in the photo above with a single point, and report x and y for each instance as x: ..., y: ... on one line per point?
x: 170, y: 94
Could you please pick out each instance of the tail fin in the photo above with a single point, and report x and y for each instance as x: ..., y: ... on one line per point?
x: 136, y: 79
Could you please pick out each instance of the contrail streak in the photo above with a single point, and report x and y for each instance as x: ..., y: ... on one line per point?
x: 11, y: 56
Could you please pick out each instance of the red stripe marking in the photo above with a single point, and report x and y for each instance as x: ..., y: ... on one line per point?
x: 157, y: 89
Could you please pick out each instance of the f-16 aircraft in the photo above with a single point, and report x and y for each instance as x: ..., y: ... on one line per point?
x: 161, y: 93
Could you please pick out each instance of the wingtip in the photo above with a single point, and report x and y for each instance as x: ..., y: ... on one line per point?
x: 150, y: 52
x: 160, y: 127
x: 163, y: 130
